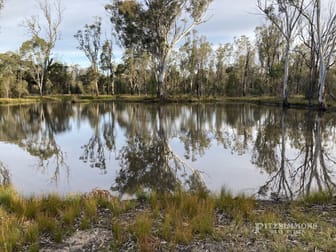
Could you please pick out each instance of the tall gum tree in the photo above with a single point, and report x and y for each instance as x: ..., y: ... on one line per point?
x: 285, y: 15
x: 156, y: 26
x: 89, y: 40
x: 323, y: 34
x: 269, y: 44
x: 44, y: 36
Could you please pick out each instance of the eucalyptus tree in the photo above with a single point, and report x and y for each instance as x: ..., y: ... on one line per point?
x: 156, y: 26
x: 308, y: 39
x: 203, y: 65
x: 44, y: 36
x: 269, y: 44
x: 323, y: 34
x: 106, y: 64
x: 34, y: 53
x: 223, y: 56
x: 195, y: 58
x: 60, y: 77
x: 12, y: 83
x: 89, y: 40
x: 130, y: 70
x: 285, y: 15
x: 300, y: 71
x: 244, y: 54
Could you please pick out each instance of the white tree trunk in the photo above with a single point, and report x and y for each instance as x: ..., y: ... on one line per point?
x: 322, y: 66
x: 162, y: 71
x: 322, y: 78
x: 285, y: 77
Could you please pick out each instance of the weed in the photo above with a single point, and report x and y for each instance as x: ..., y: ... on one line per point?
x: 318, y: 197
x: 52, y: 204
x: 90, y: 209
x: 31, y: 234
x: 84, y: 223
x: 57, y: 234
x: 10, y: 232
x: 166, y: 227
x: 69, y: 215
x: 239, y: 207
x: 46, y: 223
x: 143, y: 226
x: 203, y: 222
x: 182, y: 233
x: 33, y: 208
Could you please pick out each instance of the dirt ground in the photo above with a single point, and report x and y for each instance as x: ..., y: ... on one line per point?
x: 233, y: 236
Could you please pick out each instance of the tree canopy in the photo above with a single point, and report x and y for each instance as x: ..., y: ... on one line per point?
x: 156, y: 26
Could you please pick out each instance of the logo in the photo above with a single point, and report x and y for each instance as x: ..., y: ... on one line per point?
x: 285, y: 228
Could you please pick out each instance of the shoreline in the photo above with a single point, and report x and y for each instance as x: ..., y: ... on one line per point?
x: 297, y: 102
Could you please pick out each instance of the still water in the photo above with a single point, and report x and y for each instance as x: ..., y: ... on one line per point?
x: 261, y: 151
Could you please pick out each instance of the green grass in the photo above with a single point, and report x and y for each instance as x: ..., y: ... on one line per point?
x: 239, y: 207
x: 142, y: 229
x: 318, y: 197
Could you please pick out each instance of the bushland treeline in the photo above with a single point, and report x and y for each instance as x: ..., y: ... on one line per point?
x: 293, y: 53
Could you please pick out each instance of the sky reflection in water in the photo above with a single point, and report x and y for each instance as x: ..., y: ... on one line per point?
x: 123, y: 147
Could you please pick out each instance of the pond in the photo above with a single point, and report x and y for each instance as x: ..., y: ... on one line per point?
x: 123, y: 147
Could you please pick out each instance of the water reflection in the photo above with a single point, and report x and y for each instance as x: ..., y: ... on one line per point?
x: 278, y: 153
x: 297, y: 151
x: 4, y: 175
x: 33, y: 128
x: 150, y: 162
x: 101, y: 140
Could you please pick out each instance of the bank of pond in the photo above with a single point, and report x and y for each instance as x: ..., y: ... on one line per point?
x: 298, y: 102
x: 154, y: 221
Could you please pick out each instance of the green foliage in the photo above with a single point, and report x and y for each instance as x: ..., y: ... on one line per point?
x: 232, y: 88
x: 155, y: 26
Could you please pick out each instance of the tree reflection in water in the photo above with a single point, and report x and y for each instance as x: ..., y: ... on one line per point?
x: 4, y: 175
x: 102, y: 119
x: 312, y: 168
x: 33, y: 128
x: 294, y: 149
x: 151, y: 164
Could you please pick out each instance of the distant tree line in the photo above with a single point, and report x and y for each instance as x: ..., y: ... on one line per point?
x: 293, y: 53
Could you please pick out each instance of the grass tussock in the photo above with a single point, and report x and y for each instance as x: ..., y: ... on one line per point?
x: 318, y: 197
x: 239, y: 207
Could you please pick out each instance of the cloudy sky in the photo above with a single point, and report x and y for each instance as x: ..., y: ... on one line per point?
x: 227, y: 19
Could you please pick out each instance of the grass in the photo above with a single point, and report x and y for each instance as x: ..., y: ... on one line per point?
x: 24, y: 220
x: 161, y: 218
x: 239, y: 208
x: 318, y: 197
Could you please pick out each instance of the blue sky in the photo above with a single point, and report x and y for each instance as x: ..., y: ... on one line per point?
x: 227, y: 19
